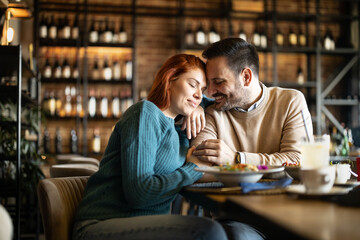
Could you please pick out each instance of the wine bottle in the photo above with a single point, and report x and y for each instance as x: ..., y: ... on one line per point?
x: 73, y: 141
x: 73, y: 101
x: 68, y: 105
x: 257, y: 38
x: 75, y: 70
x: 128, y: 70
x: 47, y: 73
x: 75, y: 28
x: 329, y: 43
x: 116, y: 69
x: 52, y: 104
x: 93, y: 33
x: 302, y: 39
x: 292, y: 38
x: 66, y: 70
x: 60, y: 27
x: 107, y: 34
x: 58, y: 104
x: 47, y: 144
x: 122, y: 33
x: 263, y: 39
x: 96, y: 142
x: 43, y: 31
x: 95, y: 74
x: 52, y: 28
x: 279, y: 38
x: 242, y: 34
x: 189, y: 36
x: 45, y: 102
x: 66, y: 30
x: 58, y: 142
x: 57, y: 68
x: 200, y: 37
x: 300, y: 76
x: 92, y: 103
x: 115, y: 104
x: 79, y: 108
x: 106, y: 71
x: 104, y: 105
x: 213, y: 34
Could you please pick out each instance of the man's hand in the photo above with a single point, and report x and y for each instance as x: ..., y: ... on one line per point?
x: 215, y: 151
x: 194, y: 123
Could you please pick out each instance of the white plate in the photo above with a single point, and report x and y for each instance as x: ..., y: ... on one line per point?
x: 299, y: 189
x: 233, y: 178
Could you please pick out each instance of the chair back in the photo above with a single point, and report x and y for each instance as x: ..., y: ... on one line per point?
x: 58, y: 201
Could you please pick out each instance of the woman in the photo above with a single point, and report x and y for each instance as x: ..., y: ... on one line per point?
x: 144, y: 166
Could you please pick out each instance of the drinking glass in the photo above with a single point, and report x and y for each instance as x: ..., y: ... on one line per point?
x: 316, y: 152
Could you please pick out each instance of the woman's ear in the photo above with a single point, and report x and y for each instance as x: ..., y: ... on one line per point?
x: 246, y: 75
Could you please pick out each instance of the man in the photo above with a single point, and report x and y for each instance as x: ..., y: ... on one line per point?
x: 249, y: 122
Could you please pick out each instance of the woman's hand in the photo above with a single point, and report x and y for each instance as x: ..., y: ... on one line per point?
x: 191, y: 158
x: 194, y: 123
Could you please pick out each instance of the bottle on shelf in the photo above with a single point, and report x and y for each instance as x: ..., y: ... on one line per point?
x: 96, y: 141
x: 52, y: 104
x: 242, y: 34
x: 66, y: 29
x: 93, y: 33
x: 92, y: 103
x: 300, y: 79
x: 200, y: 37
x: 58, y: 142
x: 75, y: 28
x: 345, y: 148
x: 123, y: 38
x: 66, y: 69
x: 52, y: 28
x: 263, y: 39
x: 79, y: 108
x: 107, y: 34
x: 279, y: 38
x: 256, y: 37
x: 75, y: 70
x: 47, y: 143
x: 128, y: 70
x: 292, y: 38
x: 102, y: 32
x: 73, y: 101
x: 43, y: 30
x: 106, y: 70
x: 68, y: 105
x: 57, y: 68
x: 329, y: 43
x: 45, y: 102
x: 302, y: 39
x: 95, y: 74
x: 214, y: 36
x: 104, y: 106
x: 73, y: 141
x: 116, y: 69
x: 115, y: 104
x: 47, y: 72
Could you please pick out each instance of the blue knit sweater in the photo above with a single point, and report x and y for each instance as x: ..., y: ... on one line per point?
x: 142, y: 169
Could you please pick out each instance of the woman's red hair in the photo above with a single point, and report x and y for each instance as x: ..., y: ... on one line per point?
x: 170, y: 71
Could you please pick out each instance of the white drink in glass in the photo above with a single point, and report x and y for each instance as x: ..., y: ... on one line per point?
x: 315, y: 154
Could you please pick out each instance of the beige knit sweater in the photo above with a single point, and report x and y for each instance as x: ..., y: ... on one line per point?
x: 269, y: 134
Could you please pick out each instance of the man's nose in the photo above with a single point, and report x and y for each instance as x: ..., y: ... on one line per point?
x: 210, y: 89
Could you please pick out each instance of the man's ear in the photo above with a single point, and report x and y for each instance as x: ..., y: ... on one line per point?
x: 246, y: 75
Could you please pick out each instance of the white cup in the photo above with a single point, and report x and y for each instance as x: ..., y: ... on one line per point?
x: 342, y: 173
x: 319, y: 180
x: 316, y: 152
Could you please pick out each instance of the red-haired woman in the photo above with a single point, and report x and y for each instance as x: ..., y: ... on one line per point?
x: 146, y: 163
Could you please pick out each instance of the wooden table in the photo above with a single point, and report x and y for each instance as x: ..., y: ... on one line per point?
x: 284, y: 217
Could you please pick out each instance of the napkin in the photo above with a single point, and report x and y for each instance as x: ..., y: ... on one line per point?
x: 248, y: 187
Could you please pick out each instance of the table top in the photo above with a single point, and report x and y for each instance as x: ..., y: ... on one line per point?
x: 310, y: 218
x: 295, y: 218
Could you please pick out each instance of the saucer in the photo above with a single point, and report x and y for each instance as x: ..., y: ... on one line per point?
x: 300, y: 190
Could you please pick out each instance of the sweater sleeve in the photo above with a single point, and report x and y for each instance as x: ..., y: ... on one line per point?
x: 292, y: 134
x: 139, y: 152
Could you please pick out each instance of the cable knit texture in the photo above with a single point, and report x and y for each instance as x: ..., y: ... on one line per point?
x: 142, y: 169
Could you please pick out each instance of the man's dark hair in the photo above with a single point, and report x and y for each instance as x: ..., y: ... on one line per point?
x: 238, y: 52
